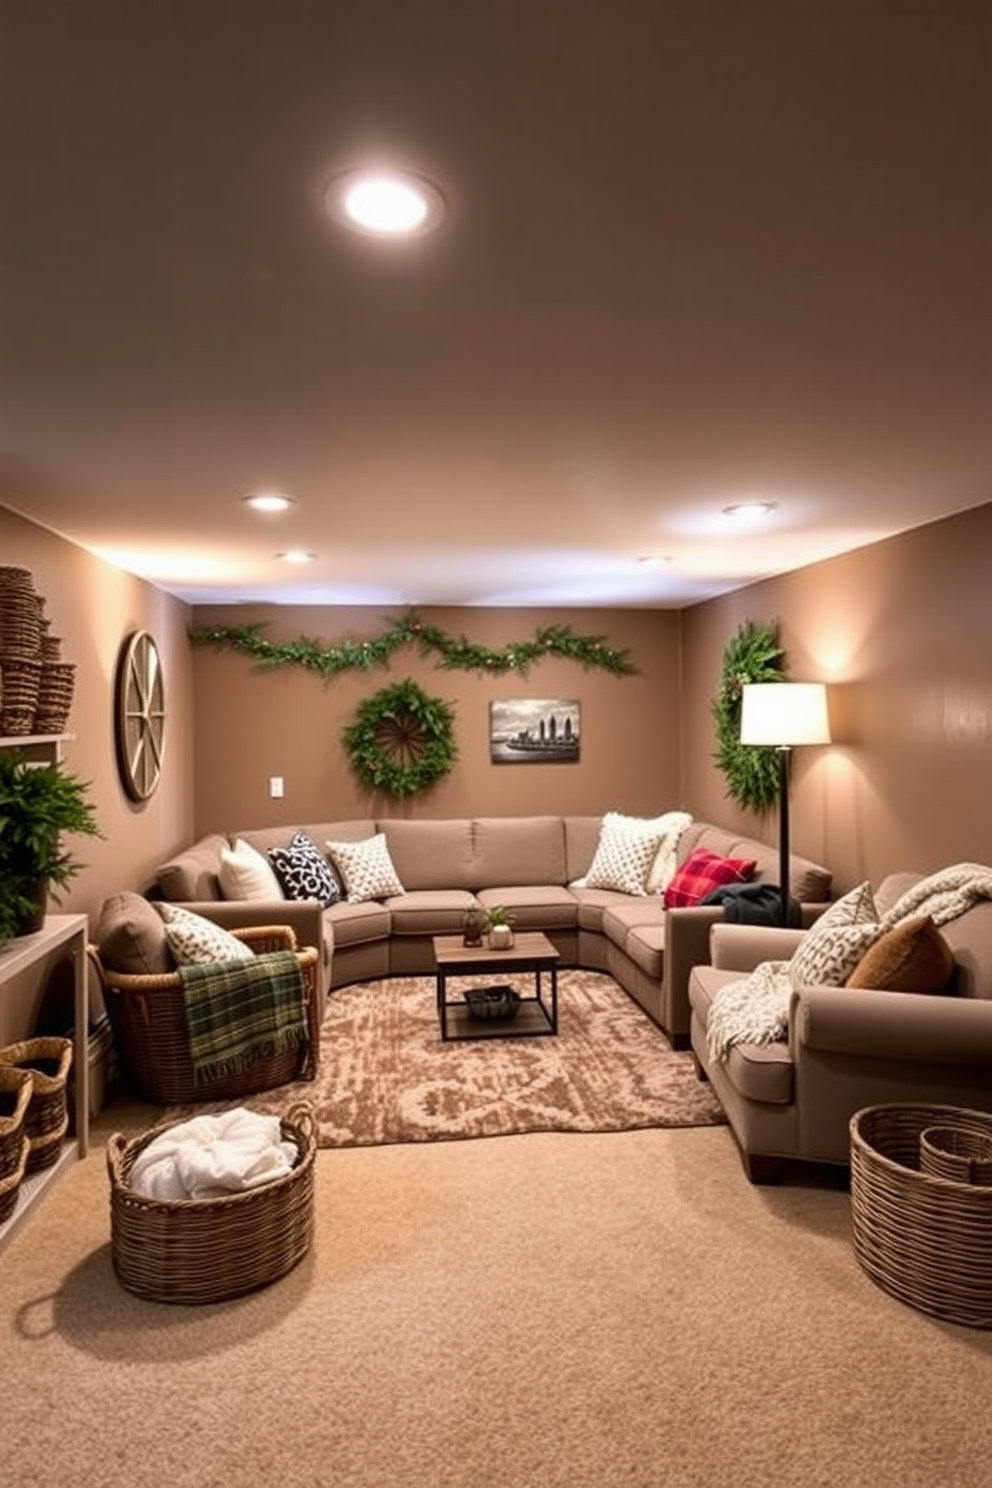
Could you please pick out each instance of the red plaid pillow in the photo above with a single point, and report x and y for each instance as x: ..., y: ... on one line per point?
x: 704, y: 871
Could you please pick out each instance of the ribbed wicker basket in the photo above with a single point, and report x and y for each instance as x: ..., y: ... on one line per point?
x: 210, y: 1250
x: 15, y: 1097
x: 55, y: 692
x: 925, y: 1239
x: 21, y: 679
x: 148, y: 1017
x: 10, y: 1187
x: 47, y: 1061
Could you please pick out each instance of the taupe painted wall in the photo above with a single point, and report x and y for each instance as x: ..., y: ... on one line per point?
x: 902, y: 633
x: 251, y: 724
x: 94, y: 607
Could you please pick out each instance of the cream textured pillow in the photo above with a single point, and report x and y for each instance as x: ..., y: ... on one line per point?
x: 624, y: 855
x: 245, y: 873
x: 197, y: 941
x: 833, y: 946
x: 662, y: 870
x: 366, y: 868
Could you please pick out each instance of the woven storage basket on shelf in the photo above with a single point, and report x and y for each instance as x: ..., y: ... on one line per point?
x: 15, y: 1097
x: 10, y: 1187
x: 21, y: 679
x: 148, y: 1017
x: 209, y: 1250
x: 925, y: 1239
x: 47, y: 1061
x: 55, y: 690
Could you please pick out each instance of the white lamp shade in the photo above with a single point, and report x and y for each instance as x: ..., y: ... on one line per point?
x: 784, y: 713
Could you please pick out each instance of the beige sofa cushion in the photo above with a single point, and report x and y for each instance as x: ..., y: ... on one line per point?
x: 431, y: 854
x: 518, y: 850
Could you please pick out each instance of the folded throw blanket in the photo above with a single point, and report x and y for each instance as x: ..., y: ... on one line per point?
x: 211, y: 1156
x: 238, y: 1012
x: 753, y: 904
x: 755, y: 1010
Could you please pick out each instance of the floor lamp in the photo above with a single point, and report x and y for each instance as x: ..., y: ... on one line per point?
x: 781, y: 715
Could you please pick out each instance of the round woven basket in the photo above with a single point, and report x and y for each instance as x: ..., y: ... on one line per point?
x: 47, y: 1061
x: 924, y: 1238
x: 954, y: 1152
x: 15, y: 1097
x: 209, y: 1250
x: 10, y: 1186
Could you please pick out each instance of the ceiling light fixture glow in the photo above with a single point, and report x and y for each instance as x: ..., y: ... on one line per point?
x: 386, y: 204
x: 269, y: 501
x: 297, y: 555
x: 746, y: 510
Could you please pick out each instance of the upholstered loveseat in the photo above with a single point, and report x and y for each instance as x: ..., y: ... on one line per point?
x: 534, y: 866
x: 854, y: 1045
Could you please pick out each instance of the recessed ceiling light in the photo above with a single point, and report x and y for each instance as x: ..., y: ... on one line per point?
x: 269, y: 501
x: 386, y: 204
x: 746, y: 509
x: 297, y: 555
x: 653, y: 559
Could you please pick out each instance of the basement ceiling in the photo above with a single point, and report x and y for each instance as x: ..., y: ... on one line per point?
x: 695, y: 253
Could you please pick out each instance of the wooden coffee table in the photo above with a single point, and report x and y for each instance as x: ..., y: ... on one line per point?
x: 532, y: 952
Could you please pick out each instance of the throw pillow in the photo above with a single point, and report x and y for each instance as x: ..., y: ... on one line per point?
x: 304, y: 872
x: 833, y: 946
x: 130, y: 936
x: 366, y: 868
x: 245, y: 873
x: 912, y: 957
x: 702, y: 872
x: 197, y: 941
x: 624, y: 855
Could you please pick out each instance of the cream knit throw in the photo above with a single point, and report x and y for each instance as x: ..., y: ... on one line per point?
x: 755, y: 1010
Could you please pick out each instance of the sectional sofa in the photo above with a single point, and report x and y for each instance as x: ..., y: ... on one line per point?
x: 534, y: 866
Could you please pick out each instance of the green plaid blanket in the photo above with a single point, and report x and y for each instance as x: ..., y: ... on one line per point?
x: 238, y: 1012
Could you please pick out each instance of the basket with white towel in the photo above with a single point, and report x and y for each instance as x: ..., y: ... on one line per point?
x: 214, y: 1207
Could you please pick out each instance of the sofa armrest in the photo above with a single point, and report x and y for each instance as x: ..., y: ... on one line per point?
x: 687, y: 944
x: 892, y: 1025
x: 736, y: 947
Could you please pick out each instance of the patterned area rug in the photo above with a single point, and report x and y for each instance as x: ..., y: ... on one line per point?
x: 386, y: 1077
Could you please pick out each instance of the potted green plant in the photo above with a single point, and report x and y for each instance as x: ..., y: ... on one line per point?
x: 499, y: 925
x: 38, y: 803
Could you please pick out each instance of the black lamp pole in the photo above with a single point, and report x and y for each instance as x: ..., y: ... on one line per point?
x: 784, y: 750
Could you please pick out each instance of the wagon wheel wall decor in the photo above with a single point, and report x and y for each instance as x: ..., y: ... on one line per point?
x: 140, y: 716
x: 753, y: 654
x: 401, y: 741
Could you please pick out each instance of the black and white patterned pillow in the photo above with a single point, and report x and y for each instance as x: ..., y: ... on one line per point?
x: 304, y: 872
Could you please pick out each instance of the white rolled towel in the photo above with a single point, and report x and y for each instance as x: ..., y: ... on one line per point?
x: 210, y: 1156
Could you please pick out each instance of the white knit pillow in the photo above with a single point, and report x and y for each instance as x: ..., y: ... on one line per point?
x: 624, y: 855
x: 245, y: 873
x: 366, y: 868
x: 833, y: 946
x: 197, y: 941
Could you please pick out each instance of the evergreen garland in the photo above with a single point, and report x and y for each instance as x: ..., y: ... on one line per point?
x: 450, y: 652
x: 402, y: 740
x: 753, y: 654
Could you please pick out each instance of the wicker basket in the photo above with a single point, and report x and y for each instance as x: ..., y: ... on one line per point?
x: 21, y: 679
x: 148, y: 1017
x: 957, y: 1153
x: 10, y: 1187
x: 15, y: 1097
x: 55, y: 691
x: 492, y: 1004
x: 193, y: 1251
x: 47, y: 1061
x: 925, y: 1239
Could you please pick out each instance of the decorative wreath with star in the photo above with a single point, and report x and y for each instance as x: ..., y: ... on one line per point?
x: 402, y: 740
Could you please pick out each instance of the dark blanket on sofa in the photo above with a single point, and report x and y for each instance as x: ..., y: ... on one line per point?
x: 753, y: 904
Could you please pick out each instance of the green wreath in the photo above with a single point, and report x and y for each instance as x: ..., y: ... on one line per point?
x: 402, y: 740
x: 753, y: 654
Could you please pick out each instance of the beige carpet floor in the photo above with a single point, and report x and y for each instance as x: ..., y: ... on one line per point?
x: 616, y: 1310
x: 386, y: 1076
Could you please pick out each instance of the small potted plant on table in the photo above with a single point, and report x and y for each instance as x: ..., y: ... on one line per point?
x: 499, y: 927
